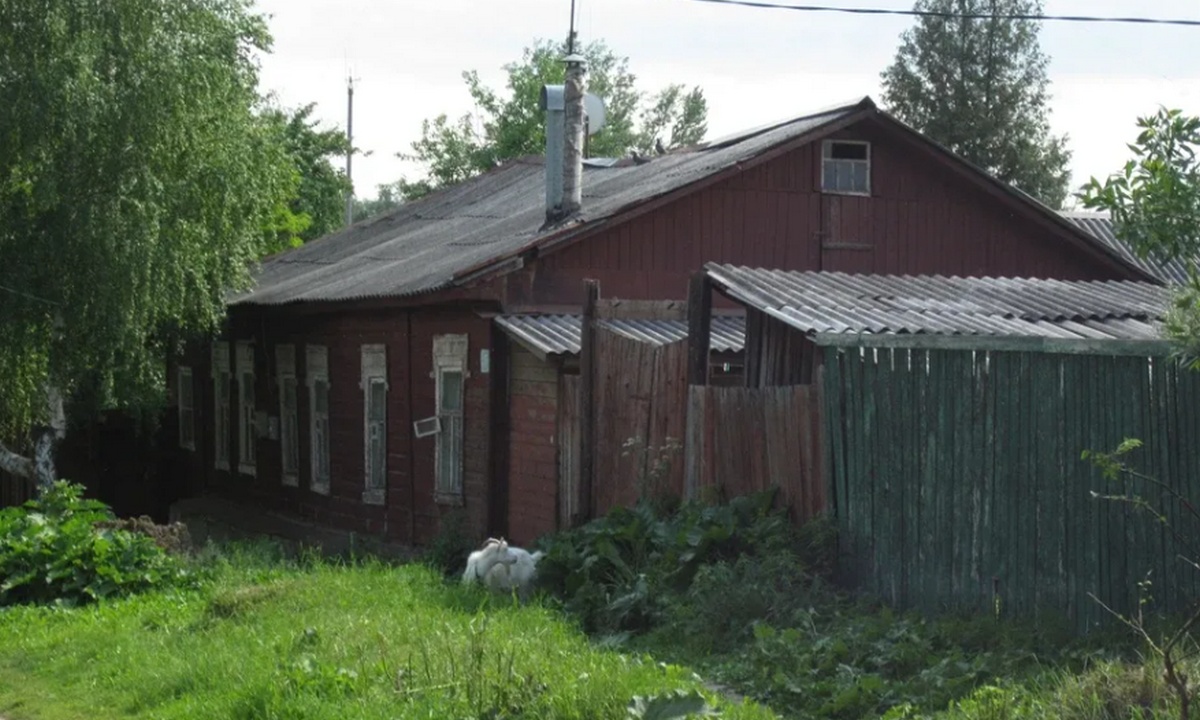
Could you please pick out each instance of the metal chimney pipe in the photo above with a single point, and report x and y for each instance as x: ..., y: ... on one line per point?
x: 552, y: 104
x: 573, y: 134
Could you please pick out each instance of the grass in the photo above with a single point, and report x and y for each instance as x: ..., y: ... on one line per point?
x: 267, y: 638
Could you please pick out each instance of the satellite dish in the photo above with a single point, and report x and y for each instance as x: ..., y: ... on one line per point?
x: 593, y: 107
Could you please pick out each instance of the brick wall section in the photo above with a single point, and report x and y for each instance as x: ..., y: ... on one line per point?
x: 410, y: 513
x: 533, y: 464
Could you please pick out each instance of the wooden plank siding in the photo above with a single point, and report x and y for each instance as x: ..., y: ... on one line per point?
x: 957, y: 478
x: 744, y: 440
x: 919, y: 219
x: 641, y: 396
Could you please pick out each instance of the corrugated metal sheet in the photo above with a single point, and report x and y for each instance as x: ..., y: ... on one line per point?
x: 422, y: 245
x: 1100, y: 226
x: 815, y: 302
x: 560, y: 334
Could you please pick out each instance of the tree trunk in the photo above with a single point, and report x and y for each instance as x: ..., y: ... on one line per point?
x: 46, y: 438
x: 40, y: 468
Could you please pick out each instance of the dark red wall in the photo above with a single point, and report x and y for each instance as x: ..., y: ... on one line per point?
x: 410, y: 513
x: 921, y: 217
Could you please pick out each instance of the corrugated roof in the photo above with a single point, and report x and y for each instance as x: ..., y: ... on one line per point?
x: 439, y: 240
x: 1100, y: 226
x: 834, y: 302
x: 560, y: 334
x: 422, y: 245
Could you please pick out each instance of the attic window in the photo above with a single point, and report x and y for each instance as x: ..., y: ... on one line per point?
x: 846, y: 167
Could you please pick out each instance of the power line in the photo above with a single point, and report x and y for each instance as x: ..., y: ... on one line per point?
x: 956, y: 16
x: 28, y: 296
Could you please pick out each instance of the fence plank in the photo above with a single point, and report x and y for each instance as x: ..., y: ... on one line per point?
x: 948, y: 470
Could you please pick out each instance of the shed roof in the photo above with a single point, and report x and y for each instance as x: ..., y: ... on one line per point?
x: 558, y: 335
x: 834, y: 302
x: 1100, y: 225
x: 451, y: 236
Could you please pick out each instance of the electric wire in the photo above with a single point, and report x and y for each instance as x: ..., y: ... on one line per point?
x: 956, y: 16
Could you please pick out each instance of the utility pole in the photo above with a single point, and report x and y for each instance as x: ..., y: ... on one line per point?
x: 349, y: 147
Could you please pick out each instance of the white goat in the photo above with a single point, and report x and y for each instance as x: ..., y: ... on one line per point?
x: 503, y: 568
x: 518, y: 575
x: 481, y: 562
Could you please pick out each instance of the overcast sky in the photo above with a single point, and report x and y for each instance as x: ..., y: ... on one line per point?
x: 755, y: 65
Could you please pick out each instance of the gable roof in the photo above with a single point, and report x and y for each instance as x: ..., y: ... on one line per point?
x: 484, y: 224
x: 1100, y: 226
x: 835, y: 302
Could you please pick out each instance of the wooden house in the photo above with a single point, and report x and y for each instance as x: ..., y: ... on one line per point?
x: 420, y: 362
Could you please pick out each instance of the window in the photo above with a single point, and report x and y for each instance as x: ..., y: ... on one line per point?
x: 317, y: 376
x: 221, y: 381
x: 187, y: 408
x: 846, y: 167
x: 289, y: 433
x: 246, y: 426
x: 374, y: 386
x: 450, y: 374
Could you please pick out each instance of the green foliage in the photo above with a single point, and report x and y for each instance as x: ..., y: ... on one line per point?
x: 318, y: 204
x: 617, y: 573
x: 1106, y: 690
x: 265, y: 637
x: 509, y: 124
x: 1154, y: 203
x: 670, y: 706
x: 387, y: 197
x: 135, y: 182
x: 453, y: 543
x: 51, y: 551
x: 979, y: 87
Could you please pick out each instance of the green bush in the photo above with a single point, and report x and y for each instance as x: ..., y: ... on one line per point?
x: 728, y: 598
x: 619, y: 573
x: 453, y: 543
x: 51, y: 551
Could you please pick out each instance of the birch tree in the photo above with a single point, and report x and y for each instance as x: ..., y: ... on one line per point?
x: 138, y: 185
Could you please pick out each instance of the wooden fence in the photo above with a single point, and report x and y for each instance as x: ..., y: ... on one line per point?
x: 641, y: 397
x: 957, y: 478
x: 741, y: 440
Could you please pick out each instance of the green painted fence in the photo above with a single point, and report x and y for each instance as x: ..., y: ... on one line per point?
x: 957, y: 480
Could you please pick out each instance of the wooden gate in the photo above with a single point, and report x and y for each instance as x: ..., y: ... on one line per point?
x: 640, y: 408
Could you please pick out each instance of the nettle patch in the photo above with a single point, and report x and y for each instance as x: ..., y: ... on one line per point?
x: 64, y: 549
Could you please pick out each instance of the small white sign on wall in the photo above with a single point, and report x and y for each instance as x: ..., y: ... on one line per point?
x: 485, y: 361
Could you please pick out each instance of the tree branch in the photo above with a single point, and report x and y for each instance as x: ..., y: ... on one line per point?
x: 14, y: 464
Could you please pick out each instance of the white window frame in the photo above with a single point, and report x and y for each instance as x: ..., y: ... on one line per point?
x: 247, y: 409
x: 289, y: 417
x: 374, y: 375
x: 316, y: 371
x: 845, y: 165
x: 222, y: 413
x: 450, y: 354
x: 185, y: 389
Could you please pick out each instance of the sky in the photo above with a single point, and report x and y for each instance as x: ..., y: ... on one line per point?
x: 754, y: 65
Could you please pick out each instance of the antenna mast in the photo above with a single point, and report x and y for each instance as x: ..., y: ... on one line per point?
x: 571, y: 33
x: 349, y: 146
